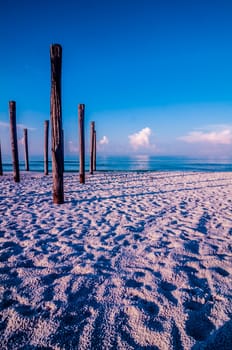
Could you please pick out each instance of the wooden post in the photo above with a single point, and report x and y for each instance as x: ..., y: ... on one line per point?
x: 14, y: 144
x: 63, y: 149
x: 91, y: 146
x: 26, y: 149
x: 1, y: 171
x: 56, y: 124
x: 46, y: 130
x: 81, y: 117
x: 94, y: 150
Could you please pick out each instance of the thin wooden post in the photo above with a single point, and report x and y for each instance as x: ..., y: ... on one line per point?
x: 1, y: 171
x: 46, y: 133
x: 26, y: 150
x: 14, y: 144
x: 91, y: 146
x: 56, y: 124
x: 94, y: 150
x: 81, y: 117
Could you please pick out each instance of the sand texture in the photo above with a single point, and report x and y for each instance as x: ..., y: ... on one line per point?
x: 130, y: 261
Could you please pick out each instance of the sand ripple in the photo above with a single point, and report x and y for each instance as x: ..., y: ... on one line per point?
x: 130, y: 261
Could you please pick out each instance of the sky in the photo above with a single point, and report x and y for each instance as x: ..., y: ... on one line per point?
x: 154, y: 75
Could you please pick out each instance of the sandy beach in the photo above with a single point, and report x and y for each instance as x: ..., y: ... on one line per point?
x: 130, y: 261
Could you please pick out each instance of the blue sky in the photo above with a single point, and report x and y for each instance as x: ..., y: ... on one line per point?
x: 155, y: 75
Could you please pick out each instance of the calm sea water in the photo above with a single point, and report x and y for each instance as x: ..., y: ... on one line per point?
x: 137, y: 163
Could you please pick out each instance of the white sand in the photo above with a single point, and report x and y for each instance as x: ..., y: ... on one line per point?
x: 130, y: 261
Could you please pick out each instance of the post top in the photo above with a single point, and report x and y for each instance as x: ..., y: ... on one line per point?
x: 56, y: 45
x: 55, y: 50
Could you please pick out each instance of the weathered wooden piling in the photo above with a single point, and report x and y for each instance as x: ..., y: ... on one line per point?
x: 46, y: 133
x: 56, y: 124
x: 81, y: 121
x: 1, y: 171
x: 94, y: 150
x: 14, y: 143
x: 92, y: 128
x: 25, y: 137
x: 63, y: 150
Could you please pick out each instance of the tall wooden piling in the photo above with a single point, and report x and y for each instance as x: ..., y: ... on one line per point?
x: 92, y: 127
x: 26, y: 149
x: 63, y: 149
x: 14, y: 143
x: 46, y: 133
x: 94, y: 150
x: 1, y: 171
x: 56, y: 124
x: 81, y: 122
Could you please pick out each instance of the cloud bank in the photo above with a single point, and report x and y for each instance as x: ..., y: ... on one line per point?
x: 223, y: 137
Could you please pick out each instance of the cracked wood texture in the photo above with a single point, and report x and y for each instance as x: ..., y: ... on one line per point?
x: 46, y: 131
x: 81, y: 116
x: 14, y: 144
x: 56, y: 124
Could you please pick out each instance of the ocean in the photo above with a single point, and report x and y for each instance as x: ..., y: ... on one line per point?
x: 135, y: 163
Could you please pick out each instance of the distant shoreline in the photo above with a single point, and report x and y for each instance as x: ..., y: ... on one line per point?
x: 135, y: 163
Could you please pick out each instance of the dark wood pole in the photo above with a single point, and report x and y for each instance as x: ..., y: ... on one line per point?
x: 91, y: 146
x: 46, y: 133
x: 26, y: 150
x: 81, y: 117
x: 63, y: 149
x: 94, y: 150
x: 1, y: 171
x: 56, y: 124
x: 14, y: 144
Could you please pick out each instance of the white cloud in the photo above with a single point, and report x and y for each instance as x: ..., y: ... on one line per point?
x: 223, y: 137
x: 141, y: 138
x: 19, y: 126
x: 104, y: 141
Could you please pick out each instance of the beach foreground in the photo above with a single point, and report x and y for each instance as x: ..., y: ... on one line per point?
x: 130, y: 261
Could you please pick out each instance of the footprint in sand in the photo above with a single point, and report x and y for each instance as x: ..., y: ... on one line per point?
x: 202, y: 224
x: 166, y: 288
x: 192, y: 246
x: 221, y: 271
x: 9, y: 249
x: 176, y: 338
x: 198, y: 308
x: 198, y: 325
x: 150, y: 310
x: 220, y: 339
x: 141, y: 310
